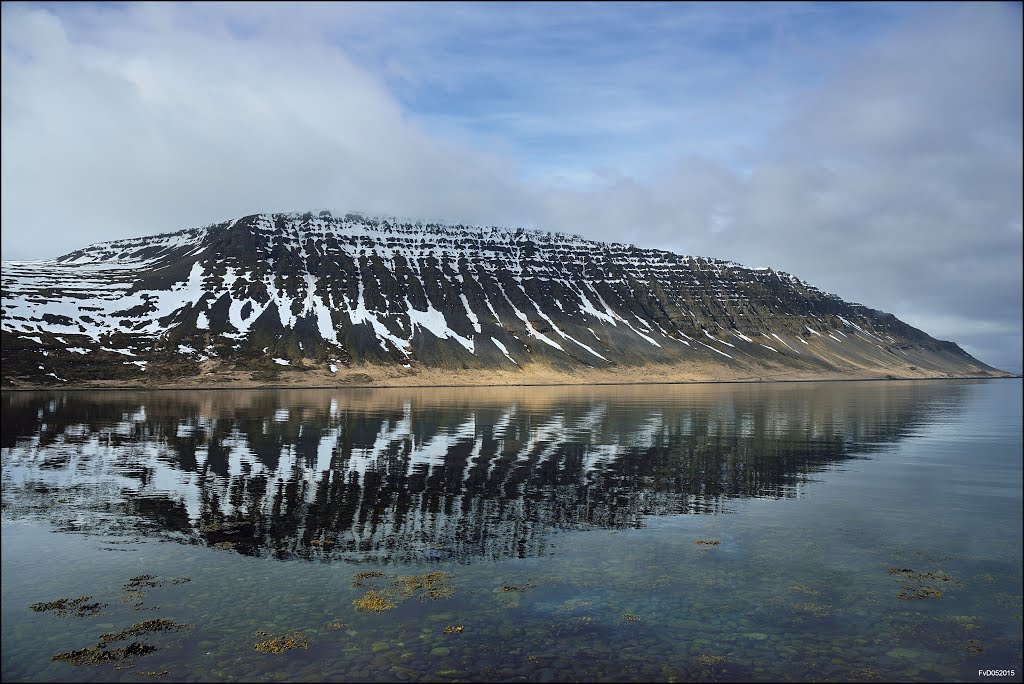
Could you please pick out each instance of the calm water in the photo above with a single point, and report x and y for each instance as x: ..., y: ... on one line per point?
x: 798, y: 531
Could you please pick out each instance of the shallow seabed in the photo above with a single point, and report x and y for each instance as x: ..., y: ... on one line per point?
x: 830, y: 531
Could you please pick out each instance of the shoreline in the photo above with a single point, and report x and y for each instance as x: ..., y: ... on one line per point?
x: 229, y: 386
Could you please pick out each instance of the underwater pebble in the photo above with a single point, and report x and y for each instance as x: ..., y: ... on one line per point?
x: 758, y: 636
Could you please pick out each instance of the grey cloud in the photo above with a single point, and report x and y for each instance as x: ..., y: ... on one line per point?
x: 897, y: 184
x: 190, y: 130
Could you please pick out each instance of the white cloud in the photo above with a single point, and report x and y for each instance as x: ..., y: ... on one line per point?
x: 104, y: 138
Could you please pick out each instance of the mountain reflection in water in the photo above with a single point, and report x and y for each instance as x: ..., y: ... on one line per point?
x: 411, y: 475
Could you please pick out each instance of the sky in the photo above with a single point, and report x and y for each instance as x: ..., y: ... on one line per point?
x: 873, y: 150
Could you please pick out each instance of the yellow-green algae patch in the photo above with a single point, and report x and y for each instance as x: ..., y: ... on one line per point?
x: 434, y: 585
x: 282, y: 643
x: 373, y: 602
x: 431, y: 585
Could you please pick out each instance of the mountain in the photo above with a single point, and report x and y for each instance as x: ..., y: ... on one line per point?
x: 318, y: 299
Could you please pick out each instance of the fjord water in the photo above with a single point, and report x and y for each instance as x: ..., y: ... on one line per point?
x: 791, y: 531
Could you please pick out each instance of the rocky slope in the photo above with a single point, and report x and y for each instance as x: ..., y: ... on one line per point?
x: 318, y: 299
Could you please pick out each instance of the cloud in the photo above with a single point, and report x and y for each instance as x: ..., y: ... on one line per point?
x: 874, y: 151
x: 105, y: 137
x: 896, y: 183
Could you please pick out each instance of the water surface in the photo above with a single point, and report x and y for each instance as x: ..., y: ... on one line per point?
x: 791, y: 531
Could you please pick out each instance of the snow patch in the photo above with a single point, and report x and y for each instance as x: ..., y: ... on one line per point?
x: 434, y: 321
x: 469, y: 312
x: 504, y: 351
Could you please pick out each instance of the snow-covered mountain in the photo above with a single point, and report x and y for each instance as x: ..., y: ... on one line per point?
x: 273, y: 293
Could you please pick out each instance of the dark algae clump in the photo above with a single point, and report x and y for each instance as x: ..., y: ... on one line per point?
x: 145, y: 627
x: 135, y: 590
x: 121, y: 657
x: 100, y: 655
x: 922, y: 585
x: 77, y: 606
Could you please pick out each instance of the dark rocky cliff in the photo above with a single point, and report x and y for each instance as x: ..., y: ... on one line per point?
x: 268, y: 293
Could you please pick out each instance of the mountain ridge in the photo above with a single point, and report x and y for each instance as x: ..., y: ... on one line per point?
x: 316, y: 298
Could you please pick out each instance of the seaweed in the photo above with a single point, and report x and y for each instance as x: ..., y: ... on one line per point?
x: 63, y: 606
x: 922, y: 585
x: 974, y: 646
x: 122, y: 657
x: 281, y: 644
x: 432, y: 585
x: 100, y: 655
x: 135, y: 590
x: 144, y: 627
x: 435, y: 585
x: 373, y: 602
